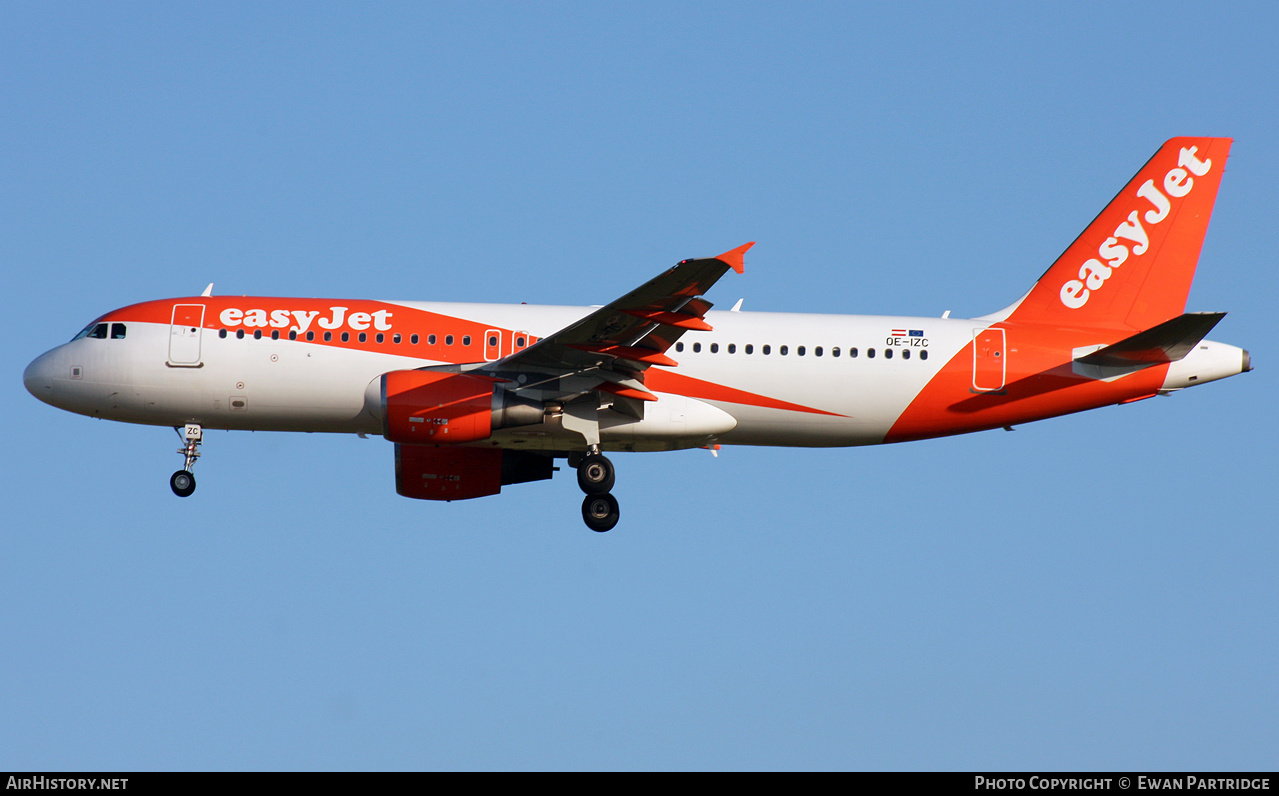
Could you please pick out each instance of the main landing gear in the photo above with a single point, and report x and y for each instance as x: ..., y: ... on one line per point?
x: 183, y: 481
x: 595, y: 475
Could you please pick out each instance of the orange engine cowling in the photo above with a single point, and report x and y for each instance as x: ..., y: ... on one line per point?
x: 428, y: 408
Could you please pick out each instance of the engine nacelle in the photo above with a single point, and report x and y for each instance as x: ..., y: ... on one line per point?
x: 423, y: 407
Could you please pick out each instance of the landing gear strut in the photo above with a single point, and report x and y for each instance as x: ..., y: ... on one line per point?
x: 183, y: 481
x: 595, y: 475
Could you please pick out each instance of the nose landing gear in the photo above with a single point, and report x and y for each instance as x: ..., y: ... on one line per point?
x: 183, y: 481
x: 595, y: 475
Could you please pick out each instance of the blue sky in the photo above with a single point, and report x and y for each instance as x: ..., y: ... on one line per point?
x: 1090, y: 592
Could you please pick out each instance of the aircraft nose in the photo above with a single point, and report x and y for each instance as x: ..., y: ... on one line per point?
x: 38, y: 378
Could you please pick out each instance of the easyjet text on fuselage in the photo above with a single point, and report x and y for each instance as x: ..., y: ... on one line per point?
x: 300, y: 320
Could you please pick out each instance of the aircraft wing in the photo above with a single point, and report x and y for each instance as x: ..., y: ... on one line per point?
x: 610, y: 349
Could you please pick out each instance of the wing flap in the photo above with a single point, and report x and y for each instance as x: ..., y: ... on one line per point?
x: 616, y: 343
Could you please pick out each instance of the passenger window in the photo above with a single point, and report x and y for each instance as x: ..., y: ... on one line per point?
x: 800, y: 351
x: 906, y: 354
x: 275, y: 334
x: 923, y: 355
x: 732, y: 348
x: 328, y: 337
x: 714, y: 348
x: 310, y: 336
x: 697, y: 348
x: 852, y: 353
x: 448, y: 339
x: 346, y: 337
x: 257, y: 334
x: 679, y: 346
x: 395, y: 338
x: 870, y: 353
x: 750, y: 349
x: 888, y: 353
x: 117, y: 331
x: 413, y: 339
x: 293, y: 334
x: 768, y: 349
x: 239, y: 334
x: 782, y: 350
x: 817, y: 351
x: 466, y: 340
x: 834, y: 351
x: 222, y: 333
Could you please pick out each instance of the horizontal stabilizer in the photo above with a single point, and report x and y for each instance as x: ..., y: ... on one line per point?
x: 1168, y: 342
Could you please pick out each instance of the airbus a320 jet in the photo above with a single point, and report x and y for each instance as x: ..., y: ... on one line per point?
x: 475, y: 397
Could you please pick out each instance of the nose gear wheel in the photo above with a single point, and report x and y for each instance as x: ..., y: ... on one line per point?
x: 182, y: 483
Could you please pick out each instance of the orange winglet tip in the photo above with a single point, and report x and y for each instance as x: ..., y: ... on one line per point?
x: 736, y: 258
x: 672, y: 319
x: 626, y: 392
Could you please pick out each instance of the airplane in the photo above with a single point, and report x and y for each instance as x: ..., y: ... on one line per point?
x: 476, y: 397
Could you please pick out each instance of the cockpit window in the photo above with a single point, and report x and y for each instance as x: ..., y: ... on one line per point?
x: 94, y: 330
x: 117, y: 331
x: 98, y: 331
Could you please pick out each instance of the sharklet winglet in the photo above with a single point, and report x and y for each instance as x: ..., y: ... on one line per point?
x: 736, y: 258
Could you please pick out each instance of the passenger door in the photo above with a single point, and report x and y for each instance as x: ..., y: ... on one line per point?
x: 184, y: 335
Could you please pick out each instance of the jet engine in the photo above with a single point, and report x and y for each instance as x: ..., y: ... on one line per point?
x: 423, y: 407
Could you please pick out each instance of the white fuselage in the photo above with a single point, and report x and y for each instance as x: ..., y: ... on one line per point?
x: 757, y: 379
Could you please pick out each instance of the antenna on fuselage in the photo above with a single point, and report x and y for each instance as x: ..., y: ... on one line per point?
x: 208, y: 291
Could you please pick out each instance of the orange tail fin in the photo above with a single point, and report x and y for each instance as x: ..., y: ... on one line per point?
x: 1132, y: 267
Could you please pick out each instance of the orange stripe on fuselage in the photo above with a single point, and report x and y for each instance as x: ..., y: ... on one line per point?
x: 1040, y: 383
x: 335, y: 316
x: 659, y: 380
